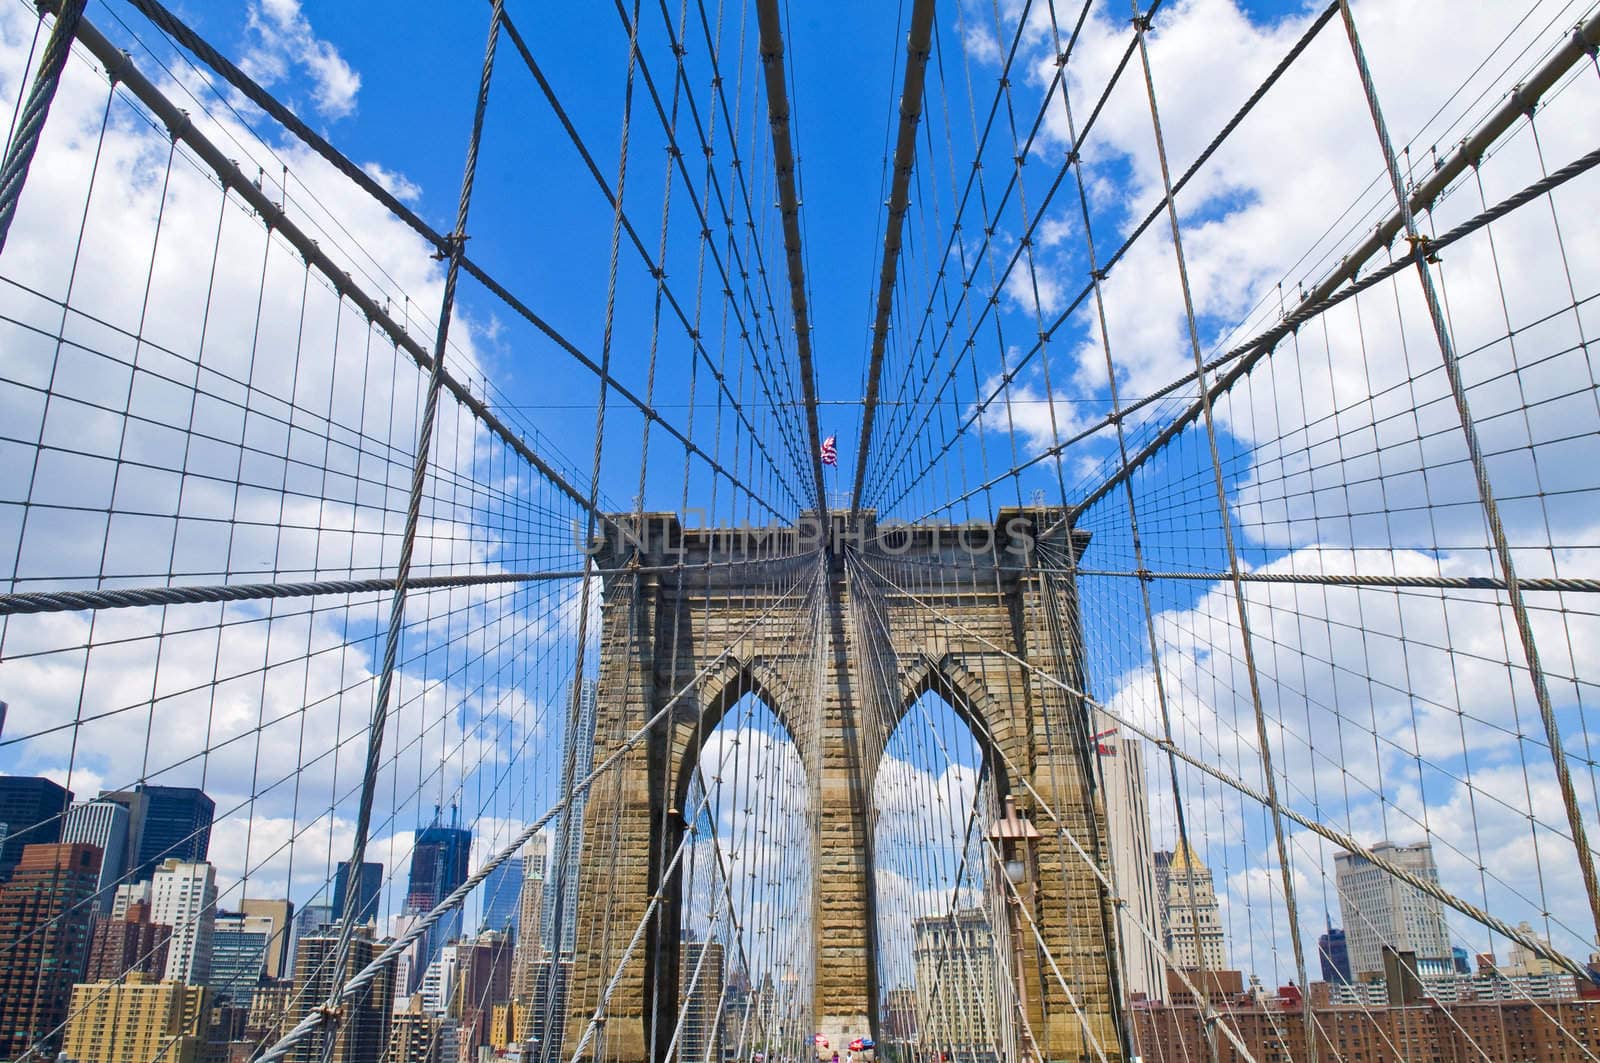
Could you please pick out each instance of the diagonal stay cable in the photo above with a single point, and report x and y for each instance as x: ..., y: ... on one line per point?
x: 197, y: 45
x: 119, y: 66
x: 607, y: 193
x: 1337, y: 837
x: 1328, y: 293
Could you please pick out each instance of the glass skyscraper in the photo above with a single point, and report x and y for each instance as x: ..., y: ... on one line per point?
x: 561, y: 884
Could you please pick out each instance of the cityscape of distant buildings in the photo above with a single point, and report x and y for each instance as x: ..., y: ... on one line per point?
x: 116, y: 947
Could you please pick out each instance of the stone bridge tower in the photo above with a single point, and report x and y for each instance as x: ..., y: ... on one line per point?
x: 664, y: 626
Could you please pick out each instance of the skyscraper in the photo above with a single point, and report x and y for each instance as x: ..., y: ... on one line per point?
x: 561, y: 893
x: 502, y: 892
x: 44, y: 940
x: 363, y: 1034
x: 183, y: 895
x: 1334, y: 957
x: 957, y: 983
x: 103, y: 824
x: 32, y: 809
x: 280, y: 960
x: 369, y: 887
x: 1128, y: 847
x: 165, y: 823
x: 1381, y: 910
x: 438, y: 865
x: 483, y: 979
x: 239, y: 946
x: 1194, y: 926
x: 530, y: 948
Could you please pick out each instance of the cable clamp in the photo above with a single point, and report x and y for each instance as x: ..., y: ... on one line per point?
x: 333, y: 1013
x: 453, y: 244
x: 1143, y: 574
x: 1141, y: 23
x: 1098, y: 274
x: 1421, y: 245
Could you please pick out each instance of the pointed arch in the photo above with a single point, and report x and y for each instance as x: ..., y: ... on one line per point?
x: 969, y: 697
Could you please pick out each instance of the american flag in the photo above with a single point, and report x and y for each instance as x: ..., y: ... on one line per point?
x: 830, y: 452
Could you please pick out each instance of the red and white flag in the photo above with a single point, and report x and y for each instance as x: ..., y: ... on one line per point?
x: 830, y: 452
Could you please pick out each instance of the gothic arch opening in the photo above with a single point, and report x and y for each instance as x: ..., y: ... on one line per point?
x: 744, y: 891
x: 944, y: 940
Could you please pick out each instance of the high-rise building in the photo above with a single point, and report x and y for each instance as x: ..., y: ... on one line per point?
x: 311, y: 919
x: 369, y: 887
x: 165, y: 823
x: 1379, y: 910
x: 439, y: 981
x: 552, y: 985
x: 103, y: 824
x: 530, y: 949
x: 138, y: 1019
x: 45, y: 913
x: 239, y: 944
x: 702, y: 974
x: 363, y: 1034
x: 483, y: 979
x: 1130, y: 853
x: 414, y: 1035
x: 1334, y: 956
x: 32, y: 810
x: 561, y: 890
x: 1194, y: 924
x: 281, y: 912
x: 183, y: 895
x: 957, y: 970
x: 439, y: 857
x: 126, y: 942
x: 501, y: 892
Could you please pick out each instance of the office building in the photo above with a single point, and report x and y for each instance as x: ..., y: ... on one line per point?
x: 561, y: 889
x: 363, y: 1035
x: 483, y: 979
x: 281, y: 912
x: 32, y: 810
x: 239, y: 945
x: 1131, y: 856
x: 501, y: 892
x: 530, y: 949
x: 552, y: 985
x: 414, y: 1035
x: 165, y: 823
x: 1334, y: 956
x: 1193, y: 921
x: 957, y: 972
x: 439, y: 858
x: 128, y: 942
x: 45, y: 913
x: 702, y: 976
x: 1379, y: 910
x: 103, y: 824
x: 439, y: 981
x: 311, y: 919
x: 139, y: 1019
x: 370, y: 886
x: 183, y: 896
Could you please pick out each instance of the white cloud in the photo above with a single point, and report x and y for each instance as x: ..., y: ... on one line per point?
x: 282, y: 42
x: 394, y: 182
